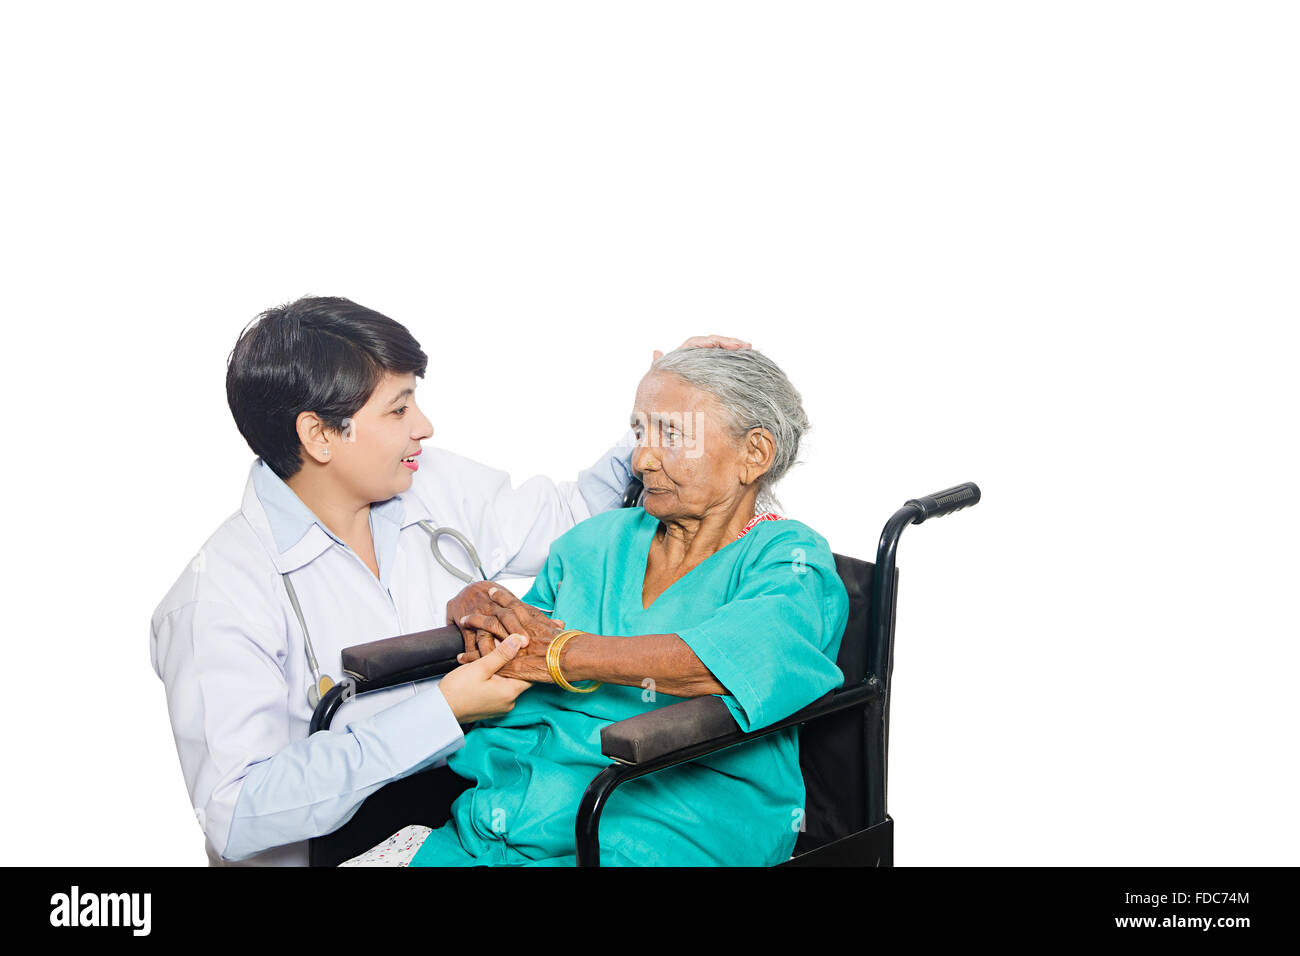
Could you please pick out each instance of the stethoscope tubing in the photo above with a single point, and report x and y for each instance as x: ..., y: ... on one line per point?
x: 435, y: 534
x: 313, y: 692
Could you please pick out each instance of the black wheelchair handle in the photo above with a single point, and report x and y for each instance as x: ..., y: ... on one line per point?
x: 945, y: 502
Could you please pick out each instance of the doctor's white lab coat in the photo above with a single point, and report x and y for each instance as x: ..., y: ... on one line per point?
x: 230, y: 650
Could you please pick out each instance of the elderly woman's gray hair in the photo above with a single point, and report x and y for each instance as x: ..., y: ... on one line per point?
x: 753, y: 393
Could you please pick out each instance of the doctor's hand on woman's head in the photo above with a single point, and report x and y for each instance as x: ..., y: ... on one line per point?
x: 708, y: 342
x: 474, y: 691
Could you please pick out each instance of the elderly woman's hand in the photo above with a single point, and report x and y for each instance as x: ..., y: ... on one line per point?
x: 508, y: 615
x: 530, y: 663
x: 486, y: 613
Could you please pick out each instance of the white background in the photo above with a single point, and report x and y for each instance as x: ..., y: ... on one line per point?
x: 1048, y: 248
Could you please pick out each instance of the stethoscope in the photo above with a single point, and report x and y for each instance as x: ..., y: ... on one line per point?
x: 321, y: 683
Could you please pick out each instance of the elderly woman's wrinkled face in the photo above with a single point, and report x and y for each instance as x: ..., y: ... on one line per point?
x: 686, y: 456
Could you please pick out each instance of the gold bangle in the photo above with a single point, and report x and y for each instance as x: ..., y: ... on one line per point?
x: 553, y: 662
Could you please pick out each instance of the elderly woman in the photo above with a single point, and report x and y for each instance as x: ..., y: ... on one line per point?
x: 700, y: 591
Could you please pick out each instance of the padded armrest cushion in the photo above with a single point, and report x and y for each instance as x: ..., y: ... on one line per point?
x: 393, y: 655
x: 675, y: 727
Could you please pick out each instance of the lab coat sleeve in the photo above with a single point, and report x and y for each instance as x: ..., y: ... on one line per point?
x: 314, y: 786
x: 252, y: 786
x: 602, y: 485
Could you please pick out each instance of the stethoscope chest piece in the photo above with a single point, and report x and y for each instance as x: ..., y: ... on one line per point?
x: 318, y: 690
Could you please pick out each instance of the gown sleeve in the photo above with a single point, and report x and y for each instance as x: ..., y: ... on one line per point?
x: 773, y: 644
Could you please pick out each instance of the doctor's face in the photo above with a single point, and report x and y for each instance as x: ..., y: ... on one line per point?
x: 374, y: 457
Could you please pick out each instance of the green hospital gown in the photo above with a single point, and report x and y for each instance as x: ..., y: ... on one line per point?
x: 765, y: 614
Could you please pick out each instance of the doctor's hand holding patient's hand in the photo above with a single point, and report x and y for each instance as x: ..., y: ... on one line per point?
x: 474, y: 691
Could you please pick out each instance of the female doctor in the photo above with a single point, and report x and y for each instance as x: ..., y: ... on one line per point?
x: 331, y: 548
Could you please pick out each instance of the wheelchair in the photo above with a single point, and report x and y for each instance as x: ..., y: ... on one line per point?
x: 843, y: 736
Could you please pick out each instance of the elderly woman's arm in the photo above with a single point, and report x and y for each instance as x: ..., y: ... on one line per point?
x: 664, y: 658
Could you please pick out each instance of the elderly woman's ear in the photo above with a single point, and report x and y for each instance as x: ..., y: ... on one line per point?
x: 759, y: 451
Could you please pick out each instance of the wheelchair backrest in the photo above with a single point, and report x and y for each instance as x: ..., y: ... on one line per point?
x: 832, y: 750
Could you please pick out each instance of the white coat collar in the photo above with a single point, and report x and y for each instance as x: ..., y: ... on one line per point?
x: 292, y: 534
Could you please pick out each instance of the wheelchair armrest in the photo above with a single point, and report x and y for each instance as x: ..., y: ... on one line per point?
x: 687, y: 730
x: 388, y: 662
x: 679, y: 733
x: 656, y: 733
x: 428, y: 653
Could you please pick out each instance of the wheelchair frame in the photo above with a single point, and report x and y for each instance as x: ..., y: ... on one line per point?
x: 642, y: 745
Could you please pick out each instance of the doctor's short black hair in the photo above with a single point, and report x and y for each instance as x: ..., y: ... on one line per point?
x: 319, y: 354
